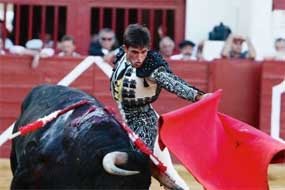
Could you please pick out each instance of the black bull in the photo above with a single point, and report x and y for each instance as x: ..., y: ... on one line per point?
x: 68, y: 151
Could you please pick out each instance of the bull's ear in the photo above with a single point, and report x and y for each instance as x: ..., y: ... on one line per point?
x: 163, y: 178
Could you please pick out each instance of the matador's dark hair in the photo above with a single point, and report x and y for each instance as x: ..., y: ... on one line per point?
x: 136, y: 36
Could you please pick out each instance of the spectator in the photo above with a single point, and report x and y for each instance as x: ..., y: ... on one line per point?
x: 233, y: 48
x: 280, y: 49
x: 186, y: 51
x: 67, y: 46
x: 35, y: 48
x: 103, y: 44
x: 199, y: 51
x: 279, y: 46
x: 166, y: 47
x: 161, y: 31
x: 47, y: 41
x: 21, y: 50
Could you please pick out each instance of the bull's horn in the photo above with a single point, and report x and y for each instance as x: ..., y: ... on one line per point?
x: 113, y: 158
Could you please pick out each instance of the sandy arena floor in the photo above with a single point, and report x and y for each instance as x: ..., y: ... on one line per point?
x: 276, y: 177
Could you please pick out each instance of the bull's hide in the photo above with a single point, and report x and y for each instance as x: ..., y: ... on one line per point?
x: 68, y: 152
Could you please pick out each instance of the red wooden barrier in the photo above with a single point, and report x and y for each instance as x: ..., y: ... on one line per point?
x: 240, y: 81
x: 17, y: 78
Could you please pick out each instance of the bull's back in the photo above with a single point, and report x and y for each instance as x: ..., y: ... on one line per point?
x: 44, y: 99
x: 41, y: 101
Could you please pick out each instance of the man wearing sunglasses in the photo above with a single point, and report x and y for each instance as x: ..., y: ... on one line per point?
x: 137, y: 79
x: 103, y: 44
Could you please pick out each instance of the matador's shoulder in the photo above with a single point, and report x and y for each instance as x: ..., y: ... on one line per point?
x: 153, y: 61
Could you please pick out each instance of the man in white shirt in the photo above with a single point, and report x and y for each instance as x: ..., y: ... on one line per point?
x: 186, y: 51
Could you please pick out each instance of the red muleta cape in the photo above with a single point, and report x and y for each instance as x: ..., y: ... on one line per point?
x: 222, y: 153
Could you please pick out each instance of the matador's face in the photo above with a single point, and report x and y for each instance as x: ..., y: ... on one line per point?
x: 136, y: 56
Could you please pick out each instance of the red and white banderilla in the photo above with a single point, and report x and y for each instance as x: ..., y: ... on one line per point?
x: 23, y: 130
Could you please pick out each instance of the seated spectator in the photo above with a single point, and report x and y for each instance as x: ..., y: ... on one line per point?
x: 186, y: 48
x: 279, y: 46
x: 233, y: 48
x: 47, y: 41
x: 280, y: 49
x: 160, y: 32
x: 166, y: 47
x: 199, y: 51
x: 67, y: 47
x: 103, y: 44
x: 33, y: 47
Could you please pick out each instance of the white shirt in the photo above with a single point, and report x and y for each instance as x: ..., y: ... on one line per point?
x: 181, y: 57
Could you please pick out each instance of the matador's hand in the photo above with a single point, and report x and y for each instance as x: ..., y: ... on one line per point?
x: 200, y: 97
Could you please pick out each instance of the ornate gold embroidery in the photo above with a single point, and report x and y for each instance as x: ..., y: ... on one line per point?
x: 118, y: 89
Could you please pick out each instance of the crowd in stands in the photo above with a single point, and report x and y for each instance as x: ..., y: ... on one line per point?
x: 226, y: 44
